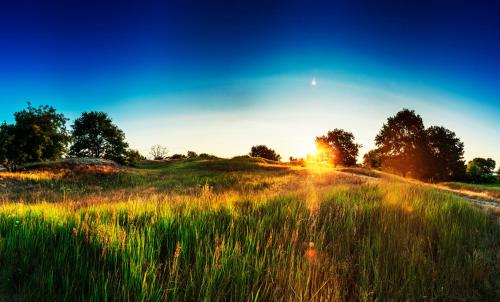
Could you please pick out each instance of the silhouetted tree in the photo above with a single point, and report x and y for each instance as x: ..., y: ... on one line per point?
x: 38, y: 134
x: 207, y: 156
x: 191, y: 154
x: 177, y: 156
x: 158, y: 152
x: 403, y: 144
x: 264, y: 152
x: 481, y: 170
x: 446, y: 151
x: 8, y: 153
x: 340, y: 146
x: 372, y: 159
x: 95, y: 135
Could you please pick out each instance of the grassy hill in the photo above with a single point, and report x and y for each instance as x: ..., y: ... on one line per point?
x: 241, y: 229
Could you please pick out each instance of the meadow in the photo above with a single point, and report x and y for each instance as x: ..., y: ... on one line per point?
x: 489, y: 190
x: 240, y: 230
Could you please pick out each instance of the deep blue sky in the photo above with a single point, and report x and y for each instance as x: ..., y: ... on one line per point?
x: 196, y: 74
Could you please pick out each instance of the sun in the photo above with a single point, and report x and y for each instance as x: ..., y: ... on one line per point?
x: 313, y: 82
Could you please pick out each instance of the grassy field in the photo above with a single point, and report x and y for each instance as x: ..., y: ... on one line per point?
x: 241, y: 230
x: 489, y: 190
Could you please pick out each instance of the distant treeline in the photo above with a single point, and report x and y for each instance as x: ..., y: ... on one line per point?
x: 404, y: 145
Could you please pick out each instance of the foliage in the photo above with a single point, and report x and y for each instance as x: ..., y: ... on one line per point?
x: 372, y: 159
x: 133, y: 157
x: 95, y: 135
x: 8, y: 152
x: 177, y: 156
x: 446, y: 151
x: 480, y: 170
x: 38, y: 134
x: 402, y: 141
x: 247, y: 235
x: 339, y: 146
x: 158, y: 152
x: 191, y: 154
x: 207, y: 156
x: 264, y: 152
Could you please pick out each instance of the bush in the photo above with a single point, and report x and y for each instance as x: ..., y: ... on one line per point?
x: 177, y: 156
x: 264, y: 152
x: 133, y: 157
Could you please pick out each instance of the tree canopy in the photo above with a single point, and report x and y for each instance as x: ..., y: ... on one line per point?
x: 38, y: 134
x: 372, y: 159
x: 338, y: 147
x: 264, y: 152
x: 447, y: 152
x: 403, y: 144
x: 481, y: 170
x: 95, y: 135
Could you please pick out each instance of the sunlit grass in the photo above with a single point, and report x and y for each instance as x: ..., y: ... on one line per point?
x: 257, y: 235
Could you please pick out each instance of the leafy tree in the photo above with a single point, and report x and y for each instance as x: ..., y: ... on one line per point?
x: 95, y: 135
x: 158, y: 152
x: 264, y: 152
x: 481, y: 170
x: 372, y: 159
x: 192, y: 154
x: 8, y: 154
x: 402, y: 141
x: 38, y: 134
x: 133, y: 157
x: 340, y: 147
x: 446, y: 151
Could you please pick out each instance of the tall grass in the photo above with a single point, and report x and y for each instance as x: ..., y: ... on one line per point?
x: 320, y: 240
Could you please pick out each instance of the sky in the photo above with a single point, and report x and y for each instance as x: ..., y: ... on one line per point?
x: 218, y: 77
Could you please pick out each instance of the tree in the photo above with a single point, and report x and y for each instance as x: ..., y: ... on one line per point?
x: 339, y: 146
x: 133, y: 157
x: 446, y: 151
x: 158, y: 152
x: 177, y: 156
x: 38, y: 134
x: 372, y: 159
x: 264, y: 152
x: 402, y: 142
x: 8, y: 154
x: 481, y: 170
x: 95, y: 135
x: 192, y: 154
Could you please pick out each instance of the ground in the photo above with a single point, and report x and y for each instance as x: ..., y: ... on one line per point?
x: 241, y: 229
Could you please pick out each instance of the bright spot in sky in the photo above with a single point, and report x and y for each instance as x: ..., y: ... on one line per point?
x: 313, y: 83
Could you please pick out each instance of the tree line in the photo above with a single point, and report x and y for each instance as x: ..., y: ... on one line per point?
x: 404, y: 146
x: 40, y: 134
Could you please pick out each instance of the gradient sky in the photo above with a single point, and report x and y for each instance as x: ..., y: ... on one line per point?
x: 218, y: 77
